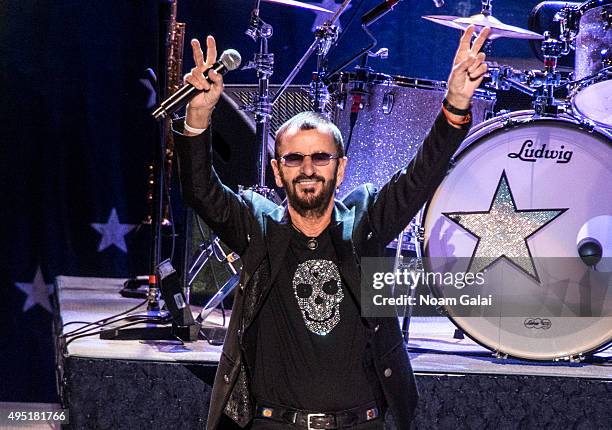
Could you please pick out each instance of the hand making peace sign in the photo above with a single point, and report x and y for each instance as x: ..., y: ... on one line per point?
x: 201, y: 106
x: 468, y: 68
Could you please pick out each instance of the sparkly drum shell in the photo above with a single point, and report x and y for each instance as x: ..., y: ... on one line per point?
x: 581, y: 186
x: 397, y: 115
x: 594, y: 35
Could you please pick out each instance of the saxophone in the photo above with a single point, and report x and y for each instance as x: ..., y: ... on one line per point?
x: 175, y: 39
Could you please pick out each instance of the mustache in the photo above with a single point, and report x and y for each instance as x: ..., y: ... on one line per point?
x: 303, y: 177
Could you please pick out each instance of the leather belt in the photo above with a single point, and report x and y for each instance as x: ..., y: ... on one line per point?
x: 319, y: 420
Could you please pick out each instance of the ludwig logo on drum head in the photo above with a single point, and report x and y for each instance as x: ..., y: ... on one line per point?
x: 531, y: 154
x: 538, y: 323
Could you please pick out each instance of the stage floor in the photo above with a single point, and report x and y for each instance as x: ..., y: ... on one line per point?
x: 432, y: 345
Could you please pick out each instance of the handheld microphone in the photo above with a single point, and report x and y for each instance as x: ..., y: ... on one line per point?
x: 230, y: 60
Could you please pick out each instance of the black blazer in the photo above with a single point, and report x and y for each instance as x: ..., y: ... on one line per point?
x: 363, y: 223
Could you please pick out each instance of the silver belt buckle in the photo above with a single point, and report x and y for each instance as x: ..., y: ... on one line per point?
x: 309, y: 416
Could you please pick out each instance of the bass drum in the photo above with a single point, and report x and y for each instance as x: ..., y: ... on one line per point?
x: 524, y: 193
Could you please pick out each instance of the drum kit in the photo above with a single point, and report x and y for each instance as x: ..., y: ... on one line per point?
x: 544, y: 172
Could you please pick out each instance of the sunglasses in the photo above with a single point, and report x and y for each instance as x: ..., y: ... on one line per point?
x: 295, y: 159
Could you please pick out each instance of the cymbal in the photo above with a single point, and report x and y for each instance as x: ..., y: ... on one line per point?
x: 498, y: 28
x: 299, y: 4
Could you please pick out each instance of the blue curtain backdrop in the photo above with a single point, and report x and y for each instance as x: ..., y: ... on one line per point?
x: 77, y: 137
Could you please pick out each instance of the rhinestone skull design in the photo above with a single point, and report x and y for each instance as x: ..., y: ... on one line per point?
x: 318, y: 289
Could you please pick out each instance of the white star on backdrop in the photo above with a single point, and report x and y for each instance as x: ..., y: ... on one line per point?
x: 37, y: 291
x: 113, y: 232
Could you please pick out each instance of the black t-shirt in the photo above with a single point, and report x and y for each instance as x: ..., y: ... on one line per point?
x: 310, y: 338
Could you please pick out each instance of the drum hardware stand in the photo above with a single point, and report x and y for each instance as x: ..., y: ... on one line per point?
x: 577, y: 358
x: 366, y: 19
x: 359, y: 93
x: 417, y: 237
x: 382, y: 53
x: 362, y: 72
x: 415, y: 265
x: 359, y: 99
x: 568, y: 19
x: 487, y: 7
x: 500, y: 355
x: 505, y: 77
x: 538, y: 84
x: 206, y: 251
x: 216, y: 334
x: 263, y: 63
x: 545, y: 103
x: 325, y: 35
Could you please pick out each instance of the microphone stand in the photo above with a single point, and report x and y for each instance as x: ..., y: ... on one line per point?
x: 156, y: 218
x: 132, y: 286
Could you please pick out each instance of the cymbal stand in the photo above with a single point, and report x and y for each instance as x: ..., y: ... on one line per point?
x: 325, y: 36
x: 263, y: 63
x: 487, y: 7
x: 487, y: 10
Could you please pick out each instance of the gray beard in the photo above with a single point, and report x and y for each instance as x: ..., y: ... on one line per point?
x: 313, y: 207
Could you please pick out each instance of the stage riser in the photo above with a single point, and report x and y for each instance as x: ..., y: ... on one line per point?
x: 121, y: 394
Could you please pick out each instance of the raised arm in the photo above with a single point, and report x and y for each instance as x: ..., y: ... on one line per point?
x: 224, y: 211
x: 407, y: 191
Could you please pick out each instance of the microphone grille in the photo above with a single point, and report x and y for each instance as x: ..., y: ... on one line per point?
x: 231, y: 59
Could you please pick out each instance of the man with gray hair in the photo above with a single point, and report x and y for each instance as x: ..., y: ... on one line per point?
x: 298, y: 354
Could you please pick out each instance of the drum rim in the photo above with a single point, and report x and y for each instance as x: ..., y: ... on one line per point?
x: 522, y: 117
x: 487, y: 128
x: 576, y: 111
x: 592, y: 4
x: 590, y: 351
x: 402, y: 81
